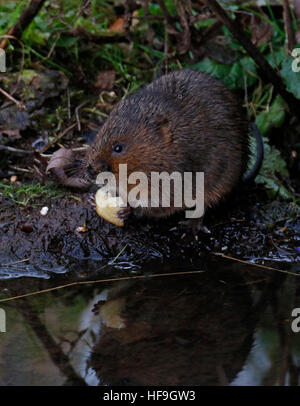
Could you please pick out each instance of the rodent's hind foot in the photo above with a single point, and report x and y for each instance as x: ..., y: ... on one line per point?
x: 197, y: 226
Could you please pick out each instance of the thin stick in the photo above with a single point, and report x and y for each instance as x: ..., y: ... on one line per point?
x: 125, y: 278
x: 77, y: 114
x: 165, y: 11
x: 257, y: 265
x: 23, y: 170
x: 19, y: 104
x: 69, y: 103
x: 127, y: 19
x: 57, y: 138
x: 15, y: 150
x: 288, y: 25
x: 16, y: 262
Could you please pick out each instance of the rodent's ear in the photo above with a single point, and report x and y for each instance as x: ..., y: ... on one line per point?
x: 164, y: 128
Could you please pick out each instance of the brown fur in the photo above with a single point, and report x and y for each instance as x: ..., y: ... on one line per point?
x: 184, y: 121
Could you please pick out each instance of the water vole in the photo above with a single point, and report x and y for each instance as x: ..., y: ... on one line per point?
x: 184, y: 121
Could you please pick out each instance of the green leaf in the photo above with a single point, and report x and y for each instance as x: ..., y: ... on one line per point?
x: 274, y: 117
x: 273, y: 170
x: 290, y: 77
x: 276, y: 58
x: 231, y: 75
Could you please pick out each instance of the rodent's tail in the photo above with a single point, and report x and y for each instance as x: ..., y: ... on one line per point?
x: 250, y: 175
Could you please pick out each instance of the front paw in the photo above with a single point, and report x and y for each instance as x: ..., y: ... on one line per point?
x: 124, y: 213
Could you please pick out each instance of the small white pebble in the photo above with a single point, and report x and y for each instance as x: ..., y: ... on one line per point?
x: 44, y: 211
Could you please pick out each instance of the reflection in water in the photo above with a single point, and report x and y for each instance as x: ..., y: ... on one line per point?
x: 257, y: 366
x: 227, y: 325
x: 188, y: 331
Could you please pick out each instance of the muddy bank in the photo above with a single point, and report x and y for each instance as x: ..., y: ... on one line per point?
x: 40, y: 246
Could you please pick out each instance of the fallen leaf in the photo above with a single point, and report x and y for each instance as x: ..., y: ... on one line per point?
x: 61, y: 159
x: 105, y: 80
x: 117, y: 26
x: 261, y: 30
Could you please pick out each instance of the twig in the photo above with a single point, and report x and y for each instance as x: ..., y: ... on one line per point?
x: 77, y: 114
x: 58, y: 137
x: 125, y: 278
x: 23, y: 170
x: 246, y: 92
x: 16, y: 262
x: 267, y: 268
x: 288, y: 25
x: 185, y: 36
x: 69, y: 103
x: 128, y: 18
x: 166, y: 50
x: 25, y: 19
x: 19, y: 104
x: 267, y: 73
x: 15, y: 150
x: 166, y: 13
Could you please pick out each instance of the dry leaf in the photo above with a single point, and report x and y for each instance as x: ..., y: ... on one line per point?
x: 261, y: 30
x: 117, y: 26
x: 105, y: 80
x: 61, y: 159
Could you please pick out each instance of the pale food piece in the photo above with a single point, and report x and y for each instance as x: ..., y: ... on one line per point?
x: 108, y: 207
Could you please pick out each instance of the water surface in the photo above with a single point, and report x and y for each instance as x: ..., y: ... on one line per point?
x: 215, y: 322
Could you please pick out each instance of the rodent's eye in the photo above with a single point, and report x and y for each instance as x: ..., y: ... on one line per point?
x: 118, y: 148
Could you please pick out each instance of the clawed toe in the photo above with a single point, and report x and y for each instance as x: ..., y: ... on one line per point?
x: 123, y: 214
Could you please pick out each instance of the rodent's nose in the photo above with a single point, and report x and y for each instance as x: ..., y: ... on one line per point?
x: 91, y: 171
x: 101, y: 167
x: 105, y: 167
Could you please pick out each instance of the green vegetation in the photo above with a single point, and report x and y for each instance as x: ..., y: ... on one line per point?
x: 25, y: 194
x: 63, y: 37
